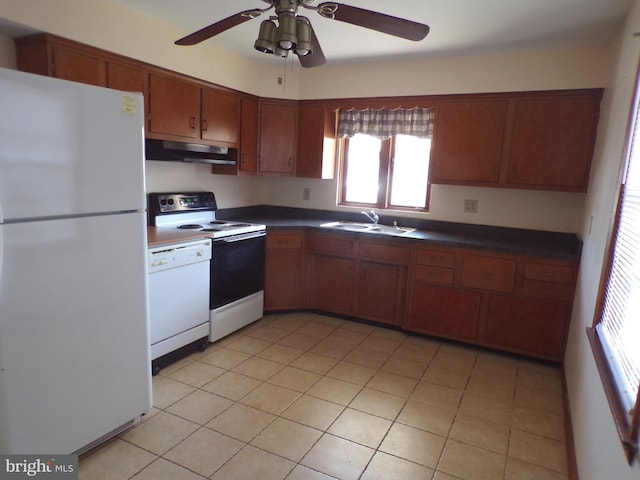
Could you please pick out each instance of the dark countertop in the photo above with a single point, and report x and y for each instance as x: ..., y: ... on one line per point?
x: 559, y: 246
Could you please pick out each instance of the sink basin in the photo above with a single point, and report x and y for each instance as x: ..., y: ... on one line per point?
x: 348, y: 225
x: 368, y: 228
x: 391, y: 230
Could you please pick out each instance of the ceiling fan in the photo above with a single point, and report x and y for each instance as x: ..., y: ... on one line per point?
x: 289, y: 32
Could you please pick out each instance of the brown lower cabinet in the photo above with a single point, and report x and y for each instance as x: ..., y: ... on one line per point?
x: 359, y: 278
x: 531, y: 326
x: 508, y: 302
x: 446, y: 311
x: 285, y: 268
x: 333, y: 284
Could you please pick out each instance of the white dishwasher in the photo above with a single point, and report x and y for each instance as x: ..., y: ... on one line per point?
x: 178, y: 295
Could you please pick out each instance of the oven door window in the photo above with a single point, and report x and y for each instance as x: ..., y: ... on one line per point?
x: 237, y: 269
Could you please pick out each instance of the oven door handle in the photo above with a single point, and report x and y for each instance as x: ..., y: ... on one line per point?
x: 240, y: 237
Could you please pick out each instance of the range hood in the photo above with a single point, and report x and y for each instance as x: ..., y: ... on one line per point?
x: 170, y: 151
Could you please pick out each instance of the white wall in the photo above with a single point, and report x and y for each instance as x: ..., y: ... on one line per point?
x: 599, y: 453
x: 111, y: 26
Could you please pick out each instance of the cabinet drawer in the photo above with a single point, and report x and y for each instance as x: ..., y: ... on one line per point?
x: 488, y: 273
x: 546, y: 290
x: 434, y: 274
x: 388, y: 253
x: 435, y: 258
x: 331, y: 244
x: 549, y: 273
x: 289, y: 240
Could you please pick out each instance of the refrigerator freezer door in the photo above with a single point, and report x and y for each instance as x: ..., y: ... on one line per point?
x: 74, y: 339
x: 68, y: 148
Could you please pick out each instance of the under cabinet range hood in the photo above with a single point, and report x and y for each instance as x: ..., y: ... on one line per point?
x: 170, y: 151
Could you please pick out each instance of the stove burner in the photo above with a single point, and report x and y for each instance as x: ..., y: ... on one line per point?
x: 217, y: 222
x: 190, y: 226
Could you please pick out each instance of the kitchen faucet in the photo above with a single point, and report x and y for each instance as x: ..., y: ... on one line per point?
x: 373, y: 216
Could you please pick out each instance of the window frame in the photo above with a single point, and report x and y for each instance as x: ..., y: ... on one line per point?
x: 627, y: 423
x: 385, y: 177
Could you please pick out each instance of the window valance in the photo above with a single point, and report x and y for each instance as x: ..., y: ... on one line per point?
x: 385, y: 123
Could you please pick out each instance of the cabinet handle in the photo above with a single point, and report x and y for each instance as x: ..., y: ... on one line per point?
x: 205, y: 125
x: 192, y: 122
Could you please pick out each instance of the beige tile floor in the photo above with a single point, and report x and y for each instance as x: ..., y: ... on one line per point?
x: 307, y: 397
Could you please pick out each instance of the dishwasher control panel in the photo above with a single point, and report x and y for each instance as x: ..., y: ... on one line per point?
x: 178, y: 255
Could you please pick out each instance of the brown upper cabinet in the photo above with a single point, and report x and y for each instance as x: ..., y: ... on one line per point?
x: 468, y: 141
x: 174, y: 108
x: 249, y: 137
x: 277, y: 137
x: 528, y: 140
x: 552, y: 141
x: 539, y: 140
x: 59, y: 58
x: 129, y: 78
x: 316, y: 149
x: 182, y: 108
x: 220, y: 117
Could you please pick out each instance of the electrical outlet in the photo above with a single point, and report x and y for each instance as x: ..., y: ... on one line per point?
x: 306, y: 193
x: 470, y: 206
x: 280, y: 80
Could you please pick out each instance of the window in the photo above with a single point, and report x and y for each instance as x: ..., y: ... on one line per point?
x: 615, y: 336
x: 385, y: 158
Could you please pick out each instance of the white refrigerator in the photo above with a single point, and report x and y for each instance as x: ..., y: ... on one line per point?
x: 74, y: 334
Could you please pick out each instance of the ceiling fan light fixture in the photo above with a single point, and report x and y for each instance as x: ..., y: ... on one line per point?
x: 286, y: 37
x: 266, y: 41
x: 281, y: 52
x: 303, y: 32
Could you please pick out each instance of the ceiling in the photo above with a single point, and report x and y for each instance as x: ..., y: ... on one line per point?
x: 457, y: 26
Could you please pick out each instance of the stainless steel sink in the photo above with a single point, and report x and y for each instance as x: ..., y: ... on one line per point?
x: 391, y: 230
x: 368, y: 228
x: 348, y: 225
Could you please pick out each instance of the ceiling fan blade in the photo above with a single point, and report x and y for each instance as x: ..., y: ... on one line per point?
x: 380, y: 22
x: 316, y: 57
x: 218, y: 27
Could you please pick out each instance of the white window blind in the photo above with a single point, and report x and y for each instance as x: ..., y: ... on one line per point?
x: 618, y: 327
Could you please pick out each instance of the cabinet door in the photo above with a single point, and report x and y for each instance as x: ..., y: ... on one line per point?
x: 79, y: 67
x: 316, y: 143
x: 277, y: 138
x: 468, y: 141
x: 174, y: 107
x: 552, y: 142
x: 445, y: 311
x: 528, y: 326
x: 249, y: 137
x: 284, y: 265
x: 380, y: 292
x: 334, y: 281
x: 220, y: 117
x: 125, y: 77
